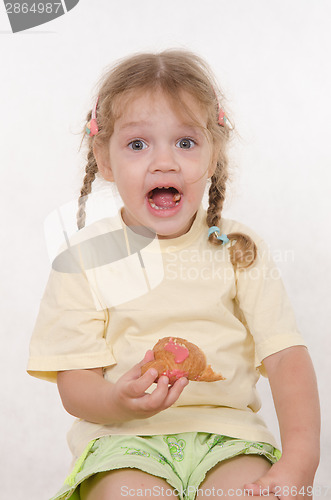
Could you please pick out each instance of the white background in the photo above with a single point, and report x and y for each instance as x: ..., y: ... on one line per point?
x: 272, y: 59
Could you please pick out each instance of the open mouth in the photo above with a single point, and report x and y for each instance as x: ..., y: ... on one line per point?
x: 164, y: 198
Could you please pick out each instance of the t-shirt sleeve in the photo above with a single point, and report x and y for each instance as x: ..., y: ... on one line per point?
x: 69, y: 332
x: 266, y: 307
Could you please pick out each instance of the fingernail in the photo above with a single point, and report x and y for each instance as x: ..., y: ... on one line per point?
x: 153, y: 372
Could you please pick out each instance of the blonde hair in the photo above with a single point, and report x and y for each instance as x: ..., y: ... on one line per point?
x: 173, y: 72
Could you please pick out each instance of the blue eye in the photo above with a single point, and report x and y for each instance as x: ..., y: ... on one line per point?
x: 185, y: 143
x: 137, y: 145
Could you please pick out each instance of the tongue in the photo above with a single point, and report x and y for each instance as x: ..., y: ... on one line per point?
x: 164, y: 198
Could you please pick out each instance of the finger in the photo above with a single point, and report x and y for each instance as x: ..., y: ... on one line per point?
x: 135, y: 371
x: 150, y: 403
x: 162, y: 397
x: 137, y: 387
x: 155, y: 400
x: 252, y: 489
x: 258, y: 489
x: 149, y: 356
x: 175, y: 391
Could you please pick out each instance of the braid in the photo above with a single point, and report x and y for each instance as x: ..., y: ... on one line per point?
x: 216, y: 197
x: 243, y: 252
x: 91, y: 170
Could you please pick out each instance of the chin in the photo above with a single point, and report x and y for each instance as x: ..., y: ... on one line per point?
x: 172, y: 231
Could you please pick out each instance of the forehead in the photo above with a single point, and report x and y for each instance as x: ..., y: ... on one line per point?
x: 186, y: 108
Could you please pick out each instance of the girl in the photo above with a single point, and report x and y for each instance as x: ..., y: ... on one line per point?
x: 165, y: 267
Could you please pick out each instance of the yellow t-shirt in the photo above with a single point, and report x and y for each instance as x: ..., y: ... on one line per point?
x: 112, y: 294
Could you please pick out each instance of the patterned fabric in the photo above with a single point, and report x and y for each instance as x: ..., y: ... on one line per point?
x: 181, y: 459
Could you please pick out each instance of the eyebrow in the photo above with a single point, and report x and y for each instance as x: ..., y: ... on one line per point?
x: 145, y: 123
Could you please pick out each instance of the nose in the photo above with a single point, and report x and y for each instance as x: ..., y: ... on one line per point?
x: 164, y: 160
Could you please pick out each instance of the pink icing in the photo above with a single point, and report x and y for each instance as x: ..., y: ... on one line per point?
x: 179, y: 351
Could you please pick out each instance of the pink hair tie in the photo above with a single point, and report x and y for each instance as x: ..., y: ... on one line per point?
x: 92, y: 126
x: 221, y: 118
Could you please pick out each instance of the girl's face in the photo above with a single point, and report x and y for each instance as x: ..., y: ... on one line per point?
x: 160, y: 163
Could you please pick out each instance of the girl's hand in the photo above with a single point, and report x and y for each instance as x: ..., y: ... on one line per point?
x: 284, y: 481
x: 129, y: 396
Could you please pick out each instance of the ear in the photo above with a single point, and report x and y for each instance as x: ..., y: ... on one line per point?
x: 101, y: 154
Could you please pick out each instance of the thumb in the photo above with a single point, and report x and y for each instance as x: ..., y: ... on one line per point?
x: 135, y: 371
x: 149, y: 356
x: 257, y: 489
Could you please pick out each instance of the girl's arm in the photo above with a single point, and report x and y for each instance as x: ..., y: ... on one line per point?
x: 86, y: 394
x: 294, y: 389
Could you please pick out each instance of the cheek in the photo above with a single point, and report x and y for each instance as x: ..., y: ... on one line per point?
x: 203, y: 163
x: 196, y: 191
x: 128, y: 186
x: 197, y: 177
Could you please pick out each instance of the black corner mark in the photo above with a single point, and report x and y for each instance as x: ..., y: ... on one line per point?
x: 27, y: 14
